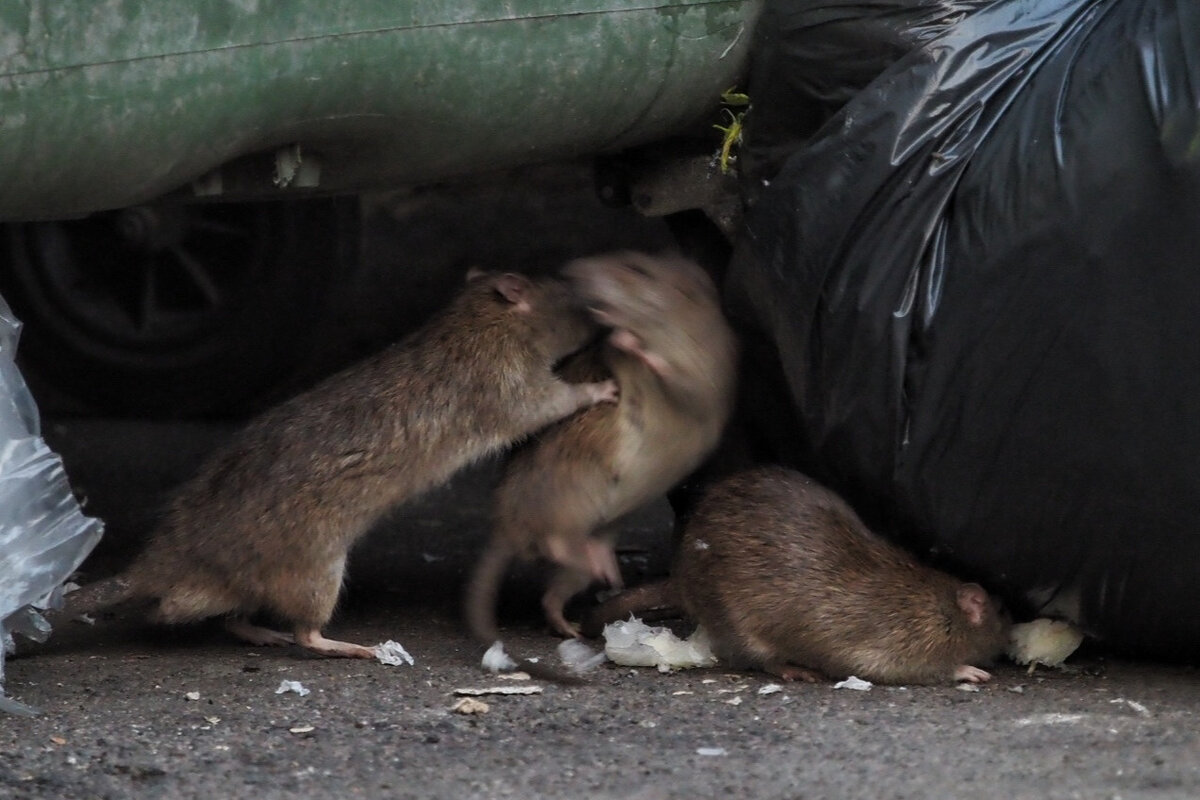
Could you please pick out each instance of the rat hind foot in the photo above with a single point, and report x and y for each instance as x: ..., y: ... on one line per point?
x: 553, y: 605
x: 255, y: 635
x: 311, y: 639
x: 560, y: 626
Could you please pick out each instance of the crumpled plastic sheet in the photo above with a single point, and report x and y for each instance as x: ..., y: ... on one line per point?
x: 44, y: 535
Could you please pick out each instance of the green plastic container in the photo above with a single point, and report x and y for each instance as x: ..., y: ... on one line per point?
x: 110, y: 104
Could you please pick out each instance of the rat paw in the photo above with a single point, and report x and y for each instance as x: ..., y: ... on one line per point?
x: 560, y: 626
x: 791, y: 672
x: 608, y: 391
x: 256, y: 635
x: 314, y: 641
x: 971, y: 674
x: 602, y: 562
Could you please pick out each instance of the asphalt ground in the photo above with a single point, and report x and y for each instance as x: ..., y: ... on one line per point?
x: 119, y: 719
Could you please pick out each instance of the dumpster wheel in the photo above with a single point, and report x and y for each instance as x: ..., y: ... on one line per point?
x: 176, y: 310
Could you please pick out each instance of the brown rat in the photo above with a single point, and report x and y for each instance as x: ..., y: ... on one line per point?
x: 673, y: 356
x: 784, y: 576
x: 268, y: 521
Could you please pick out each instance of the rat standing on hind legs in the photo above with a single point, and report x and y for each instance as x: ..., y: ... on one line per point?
x: 674, y: 358
x: 267, y: 523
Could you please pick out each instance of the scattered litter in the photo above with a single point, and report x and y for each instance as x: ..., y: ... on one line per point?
x: 469, y: 705
x: 1134, y: 704
x: 392, y: 653
x: 465, y: 692
x: 430, y: 558
x: 1020, y: 689
x: 1044, y: 641
x: 635, y: 644
x: 191, y: 696
x: 734, y: 701
x: 86, y: 619
x: 711, y: 751
x: 292, y: 686
x: 514, y: 676
x: 302, y: 729
x: 967, y: 687
x: 770, y: 688
x: 709, y: 680
x: 578, y: 657
x: 857, y: 684
x: 212, y: 720
x: 496, y: 660
x: 682, y: 692
x: 1049, y: 719
x: 58, y: 740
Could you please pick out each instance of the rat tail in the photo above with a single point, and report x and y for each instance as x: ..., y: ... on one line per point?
x: 483, y: 591
x: 95, y: 597
x: 650, y: 602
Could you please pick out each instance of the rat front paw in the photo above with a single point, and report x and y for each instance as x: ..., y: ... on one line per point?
x: 971, y: 674
x: 605, y: 391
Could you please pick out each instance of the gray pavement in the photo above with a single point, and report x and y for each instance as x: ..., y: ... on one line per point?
x: 118, y: 721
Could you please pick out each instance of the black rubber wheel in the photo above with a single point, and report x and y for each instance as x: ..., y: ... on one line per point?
x: 172, y: 311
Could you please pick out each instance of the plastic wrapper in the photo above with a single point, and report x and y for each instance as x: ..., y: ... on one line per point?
x: 976, y: 272
x: 43, y: 534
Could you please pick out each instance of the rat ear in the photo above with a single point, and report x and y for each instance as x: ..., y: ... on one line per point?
x: 973, y: 600
x: 514, y: 288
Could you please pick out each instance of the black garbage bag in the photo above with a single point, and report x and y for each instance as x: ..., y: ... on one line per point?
x: 981, y: 278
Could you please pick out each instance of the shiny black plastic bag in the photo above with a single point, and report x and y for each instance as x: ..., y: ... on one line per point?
x: 981, y: 276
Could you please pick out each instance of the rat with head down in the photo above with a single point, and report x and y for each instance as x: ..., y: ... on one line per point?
x: 785, y: 577
x: 674, y: 358
x: 267, y: 523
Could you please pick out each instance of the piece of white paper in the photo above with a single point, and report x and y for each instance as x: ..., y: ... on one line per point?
x: 392, y: 653
x: 292, y: 686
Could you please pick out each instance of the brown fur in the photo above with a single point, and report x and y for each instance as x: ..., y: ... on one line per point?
x: 673, y: 356
x: 267, y: 523
x: 782, y: 574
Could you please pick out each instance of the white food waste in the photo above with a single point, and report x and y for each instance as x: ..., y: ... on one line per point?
x: 496, y: 660
x: 633, y: 643
x: 292, y: 686
x: 578, y: 657
x: 392, y: 653
x: 1043, y: 641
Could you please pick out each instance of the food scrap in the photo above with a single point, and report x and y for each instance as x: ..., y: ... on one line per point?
x: 633, y: 643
